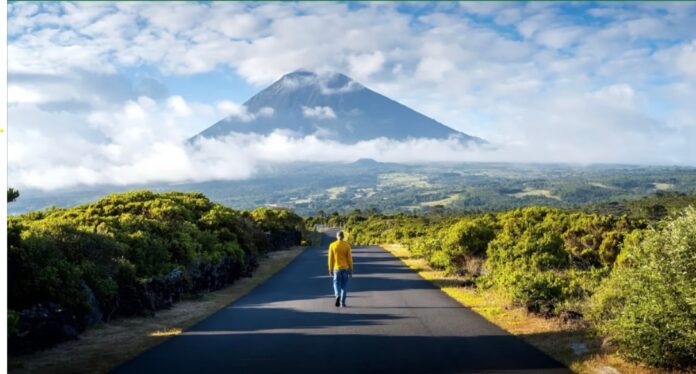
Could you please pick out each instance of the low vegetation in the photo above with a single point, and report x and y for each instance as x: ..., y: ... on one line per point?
x: 128, y: 254
x: 631, y: 277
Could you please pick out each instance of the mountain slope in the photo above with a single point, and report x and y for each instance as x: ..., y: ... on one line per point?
x: 331, y: 107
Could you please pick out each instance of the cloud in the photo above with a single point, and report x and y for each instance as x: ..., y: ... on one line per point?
x: 241, y: 156
x: 318, y: 112
x: 20, y: 94
x: 686, y: 60
x: 179, y: 106
x: 239, y: 111
x: 361, y: 66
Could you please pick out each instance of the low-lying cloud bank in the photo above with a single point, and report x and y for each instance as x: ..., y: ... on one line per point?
x: 242, y: 156
x: 234, y: 157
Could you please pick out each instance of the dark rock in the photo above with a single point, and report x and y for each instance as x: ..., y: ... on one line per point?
x: 542, y: 308
x: 144, y: 298
x: 207, y: 276
x: 132, y: 300
x: 570, y: 315
x: 42, y: 326
x: 162, y: 293
x: 95, y: 315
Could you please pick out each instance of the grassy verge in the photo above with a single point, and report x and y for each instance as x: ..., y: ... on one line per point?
x: 572, y: 343
x: 102, y: 348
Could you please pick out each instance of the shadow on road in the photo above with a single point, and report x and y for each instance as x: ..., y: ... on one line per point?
x: 304, y: 353
x: 254, y: 319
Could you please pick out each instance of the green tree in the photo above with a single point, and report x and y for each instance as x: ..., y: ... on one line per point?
x: 12, y: 195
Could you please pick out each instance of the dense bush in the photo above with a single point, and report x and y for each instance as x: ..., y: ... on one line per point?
x: 283, y: 227
x: 114, y: 246
x: 468, y: 238
x: 648, y: 303
x: 527, y: 258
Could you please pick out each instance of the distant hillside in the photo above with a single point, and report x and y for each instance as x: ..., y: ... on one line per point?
x: 307, y: 188
x: 331, y: 107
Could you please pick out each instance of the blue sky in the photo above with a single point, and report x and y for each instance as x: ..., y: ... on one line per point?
x: 547, y: 81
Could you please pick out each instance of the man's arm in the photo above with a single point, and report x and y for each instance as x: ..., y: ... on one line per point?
x: 350, y: 259
x: 331, y: 259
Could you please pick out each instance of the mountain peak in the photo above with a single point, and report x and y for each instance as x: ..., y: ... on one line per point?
x: 299, y: 73
x: 327, y: 80
x: 330, y: 105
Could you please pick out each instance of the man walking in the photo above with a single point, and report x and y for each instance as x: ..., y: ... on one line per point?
x: 340, y: 267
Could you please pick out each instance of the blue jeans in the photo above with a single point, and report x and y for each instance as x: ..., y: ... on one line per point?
x: 340, y: 284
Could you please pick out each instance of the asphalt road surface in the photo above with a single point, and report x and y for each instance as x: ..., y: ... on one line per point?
x: 395, y: 322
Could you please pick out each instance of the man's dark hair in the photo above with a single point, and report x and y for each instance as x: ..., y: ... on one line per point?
x: 340, y: 235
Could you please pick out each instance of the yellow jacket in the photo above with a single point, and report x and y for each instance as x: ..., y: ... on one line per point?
x: 340, y: 256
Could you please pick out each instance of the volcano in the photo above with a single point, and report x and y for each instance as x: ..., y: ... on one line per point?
x: 330, y: 106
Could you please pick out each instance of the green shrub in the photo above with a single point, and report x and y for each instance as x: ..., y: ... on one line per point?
x: 648, y: 303
x: 38, y: 271
x: 425, y: 247
x: 593, y: 240
x: 529, y: 238
x: 468, y: 238
x: 277, y: 219
x: 439, y: 260
x: 542, y: 292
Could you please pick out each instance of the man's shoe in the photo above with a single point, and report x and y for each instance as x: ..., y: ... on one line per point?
x: 344, y: 306
x: 338, y: 301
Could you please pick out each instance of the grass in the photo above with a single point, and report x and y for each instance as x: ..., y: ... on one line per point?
x: 538, y: 192
x: 104, y: 347
x: 663, y: 186
x: 334, y: 192
x: 551, y: 335
x: 403, y: 180
x: 445, y: 202
x: 602, y: 185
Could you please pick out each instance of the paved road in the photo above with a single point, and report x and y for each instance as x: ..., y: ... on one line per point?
x: 395, y: 322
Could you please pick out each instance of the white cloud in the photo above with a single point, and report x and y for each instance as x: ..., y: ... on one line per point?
x: 686, y: 60
x: 230, y: 108
x: 318, y: 112
x: 617, y: 94
x: 363, y: 65
x: 241, y: 156
x: 266, y: 112
x: 179, y: 106
x: 20, y: 94
x: 239, y: 111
